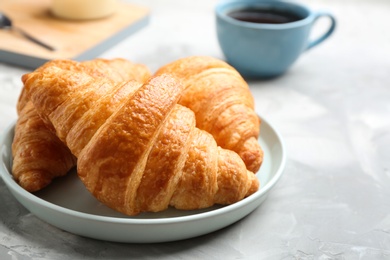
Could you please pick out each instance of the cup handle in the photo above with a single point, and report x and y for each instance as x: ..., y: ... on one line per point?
x: 320, y: 39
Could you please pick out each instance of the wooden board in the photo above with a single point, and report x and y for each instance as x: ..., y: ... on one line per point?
x: 79, y: 40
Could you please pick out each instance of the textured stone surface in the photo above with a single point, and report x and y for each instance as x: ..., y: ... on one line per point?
x: 332, y: 109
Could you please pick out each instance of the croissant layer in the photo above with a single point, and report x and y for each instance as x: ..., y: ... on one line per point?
x: 38, y: 155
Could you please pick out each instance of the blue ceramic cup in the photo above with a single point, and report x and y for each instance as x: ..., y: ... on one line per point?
x: 263, y: 50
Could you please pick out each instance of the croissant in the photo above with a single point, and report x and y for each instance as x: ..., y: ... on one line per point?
x: 144, y: 154
x: 223, y: 104
x: 39, y: 156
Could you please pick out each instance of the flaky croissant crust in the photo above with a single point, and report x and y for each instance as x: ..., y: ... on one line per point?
x: 38, y: 154
x: 222, y: 103
x: 145, y: 155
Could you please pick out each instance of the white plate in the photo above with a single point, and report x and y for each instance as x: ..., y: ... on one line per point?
x: 67, y: 205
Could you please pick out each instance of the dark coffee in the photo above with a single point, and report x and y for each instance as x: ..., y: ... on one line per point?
x: 258, y: 15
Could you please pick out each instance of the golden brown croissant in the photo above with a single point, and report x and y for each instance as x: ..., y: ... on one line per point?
x: 39, y: 155
x: 222, y: 103
x: 143, y: 154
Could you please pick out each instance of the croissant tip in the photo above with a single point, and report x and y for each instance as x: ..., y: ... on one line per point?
x: 33, y: 180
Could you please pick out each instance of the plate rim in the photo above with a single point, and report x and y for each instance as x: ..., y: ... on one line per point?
x: 10, y: 183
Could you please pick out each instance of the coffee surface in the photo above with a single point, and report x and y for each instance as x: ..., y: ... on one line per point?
x: 269, y: 16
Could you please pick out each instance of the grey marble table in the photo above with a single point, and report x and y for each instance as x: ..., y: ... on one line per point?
x: 333, y: 110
